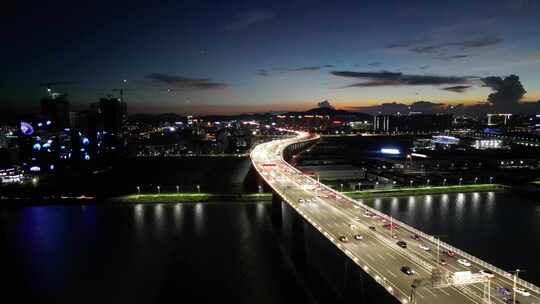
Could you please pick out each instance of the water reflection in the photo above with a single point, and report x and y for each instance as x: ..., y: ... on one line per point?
x: 476, y: 222
x: 199, y: 218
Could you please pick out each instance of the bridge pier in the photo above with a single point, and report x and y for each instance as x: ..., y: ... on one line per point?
x: 331, y: 276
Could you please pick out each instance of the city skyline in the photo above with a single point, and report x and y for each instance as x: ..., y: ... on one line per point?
x: 234, y: 57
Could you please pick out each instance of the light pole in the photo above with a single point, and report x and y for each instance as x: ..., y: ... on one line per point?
x: 427, y: 182
x: 198, y: 189
x: 177, y: 189
x: 158, y: 189
x: 491, y: 179
x: 341, y: 187
x: 460, y: 180
x: 410, y: 183
x: 359, y: 186
x: 260, y: 189
x: 444, y: 182
x: 138, y: 190
x: 475, y: 180
x: 516, y: 273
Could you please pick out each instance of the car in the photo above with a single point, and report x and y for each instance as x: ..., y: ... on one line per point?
x: 522, y: 292
x: 358, y: 237
x: 372, y: 228
x: 395, y: 236
x: 488, y: 273
x: 442, y: 262
x: 301, y: 200
x: 407, y: 270
x: 450, y: 253
x: 415, y: 237
x: 424, y: 247
x: 352, y: 226
x: 509, y: 300
x: 504, y: 291
x: 368, y: 214
x: 402, y: 244
x: 464, y: 262
x: 343, y: 239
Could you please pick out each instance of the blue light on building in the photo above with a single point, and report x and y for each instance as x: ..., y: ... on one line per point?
x: 26, y: 128
x: 37, y: 146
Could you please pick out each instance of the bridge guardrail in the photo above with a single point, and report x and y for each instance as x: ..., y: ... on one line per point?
x: 442, y: 244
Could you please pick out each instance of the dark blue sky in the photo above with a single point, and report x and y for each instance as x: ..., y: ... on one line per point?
x: 243, y: 56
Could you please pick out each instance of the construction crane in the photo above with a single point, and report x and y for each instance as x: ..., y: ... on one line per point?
x: 50, y: 84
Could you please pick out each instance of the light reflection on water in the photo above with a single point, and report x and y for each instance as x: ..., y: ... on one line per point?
x: 476, y: 222
x: 58, y: 254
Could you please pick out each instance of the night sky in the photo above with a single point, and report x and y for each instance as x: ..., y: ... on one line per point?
x: 246, y: 56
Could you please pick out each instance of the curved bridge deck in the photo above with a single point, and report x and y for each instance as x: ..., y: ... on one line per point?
x: 336, y: 216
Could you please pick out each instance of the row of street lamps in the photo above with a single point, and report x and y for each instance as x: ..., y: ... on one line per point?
x: 428, y: 182
x: 158, y: 189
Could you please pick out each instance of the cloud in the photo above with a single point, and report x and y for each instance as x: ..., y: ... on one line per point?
x: 507, y: 91
x: 263, y: 72
x: 386, y: 78
x: 458, y: 89
x: 184, y: 83
x: 374, y: 64
x: 453, y: 57
x: 311, y: 68
x: 424, y: 48
x: 248, y: 18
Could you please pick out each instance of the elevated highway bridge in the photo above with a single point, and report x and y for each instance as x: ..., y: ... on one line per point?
x: 409, y: 265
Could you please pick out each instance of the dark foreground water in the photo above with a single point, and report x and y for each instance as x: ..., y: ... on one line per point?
x: 158, y: 253
x: 499, y: 227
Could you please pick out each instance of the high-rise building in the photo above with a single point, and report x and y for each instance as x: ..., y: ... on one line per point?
x: 412, y: 122
x: 55, y: 108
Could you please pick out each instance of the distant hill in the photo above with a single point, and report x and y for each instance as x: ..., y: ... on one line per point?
x: 326, y: 111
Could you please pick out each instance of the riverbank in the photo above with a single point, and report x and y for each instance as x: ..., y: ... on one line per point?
x: 425, y: 190
x: 192, y: 197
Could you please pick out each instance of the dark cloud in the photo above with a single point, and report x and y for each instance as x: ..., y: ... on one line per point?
x: 461, y: 45
x: 311, y: 68
x: 458, y: 89
x: 374, y: 64
x: 507, y: 91
x: 184, y: 83
x: 248, y: 18
x: 385, y: 78
x: 453, y: 57
x: 263, y: 72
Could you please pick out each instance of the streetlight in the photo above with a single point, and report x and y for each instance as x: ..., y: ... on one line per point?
x: 491, y: 179
x: 341, y: 187
x: 177, y: 189
x: 158, y: 189
x: 475, y: 179
x: 359, y: 186
x: 260, y: 189
x: 460, y: 180
x: 198, y: 189
x: 444, y: 182
x: 427, y: 182
x: 138, y: 190
x: 411, y: 182
x: 516, y: 273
